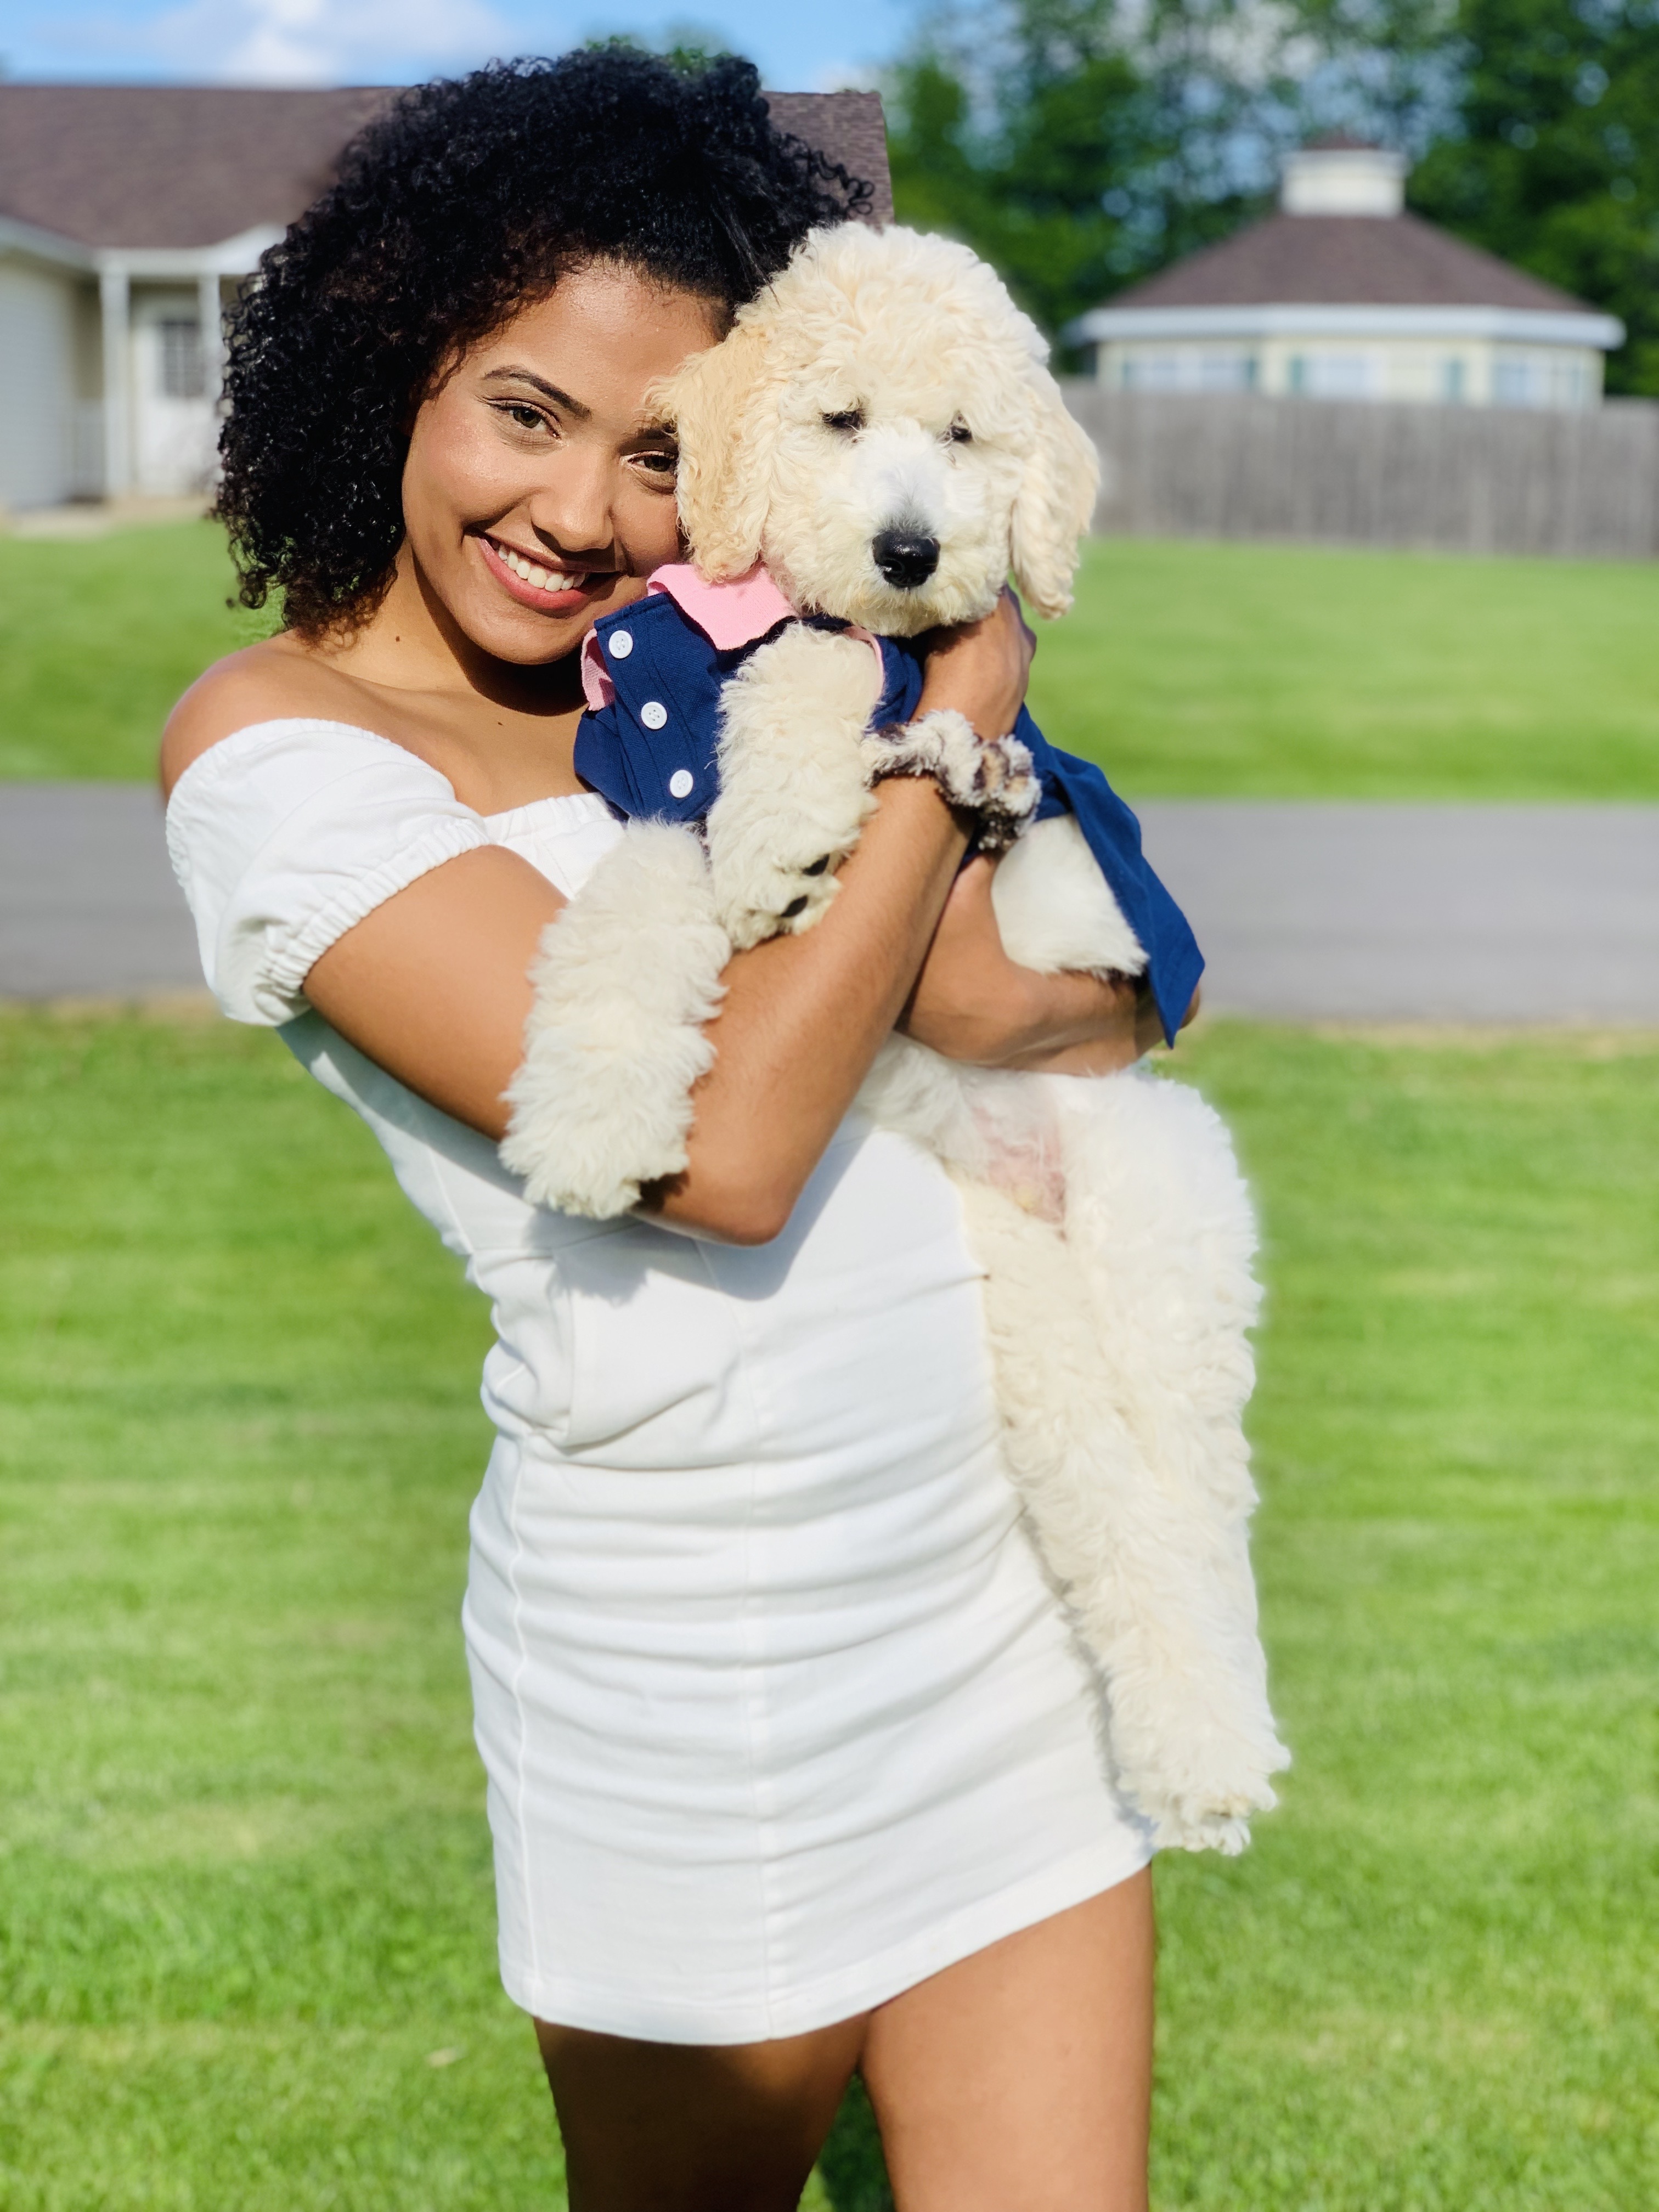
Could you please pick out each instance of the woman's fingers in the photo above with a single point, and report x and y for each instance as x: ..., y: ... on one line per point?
x: 980, y: 669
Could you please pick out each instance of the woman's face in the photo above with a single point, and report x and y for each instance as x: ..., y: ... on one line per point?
x: 538, y: 492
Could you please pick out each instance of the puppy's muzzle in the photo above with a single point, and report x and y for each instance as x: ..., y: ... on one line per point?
x: 906, y: 558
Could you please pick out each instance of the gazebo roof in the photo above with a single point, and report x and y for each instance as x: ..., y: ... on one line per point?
x: 1347, y: 261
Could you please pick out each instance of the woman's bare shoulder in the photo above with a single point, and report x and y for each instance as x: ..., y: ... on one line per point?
x: 264, y: 682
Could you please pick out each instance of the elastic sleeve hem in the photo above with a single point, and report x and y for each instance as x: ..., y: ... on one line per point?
x: 285, y: 835
x: 292, y: 953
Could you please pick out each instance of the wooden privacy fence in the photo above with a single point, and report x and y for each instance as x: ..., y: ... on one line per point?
x: 1474, y: 480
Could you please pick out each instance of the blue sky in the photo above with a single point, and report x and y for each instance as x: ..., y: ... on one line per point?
x: 798, y: 48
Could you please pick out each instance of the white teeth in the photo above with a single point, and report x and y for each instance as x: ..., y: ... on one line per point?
x: 530, y: 572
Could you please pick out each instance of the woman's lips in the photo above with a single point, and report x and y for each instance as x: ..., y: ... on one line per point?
x: 566, y: 600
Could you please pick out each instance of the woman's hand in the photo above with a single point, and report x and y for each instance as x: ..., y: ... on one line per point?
x: 980, y: 668
x: 972, y: 1002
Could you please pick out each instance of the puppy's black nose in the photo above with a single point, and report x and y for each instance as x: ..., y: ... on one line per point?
x: 905, y: 557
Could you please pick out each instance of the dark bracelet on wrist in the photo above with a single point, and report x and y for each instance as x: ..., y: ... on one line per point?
x: 989, y: 782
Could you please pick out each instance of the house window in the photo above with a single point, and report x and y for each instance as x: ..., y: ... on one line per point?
x: 1226, y: 372
x: 181, y: 359
x: 1190, y: 370
x: 1539, y: 380
x: 1152, y: 372
x: 1451, y: 379
x: 1334, y: 375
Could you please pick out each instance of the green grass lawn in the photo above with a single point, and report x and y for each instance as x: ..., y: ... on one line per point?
x: 99, y: 636
x: 246, y: 1918
x: 1229, y: 670
x: 1250, y: 671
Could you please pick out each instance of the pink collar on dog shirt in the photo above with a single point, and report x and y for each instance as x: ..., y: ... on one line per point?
x: 728, y: 615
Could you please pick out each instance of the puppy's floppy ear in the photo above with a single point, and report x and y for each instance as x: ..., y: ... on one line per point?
x: 1056, y: 499
x: 723, y: 411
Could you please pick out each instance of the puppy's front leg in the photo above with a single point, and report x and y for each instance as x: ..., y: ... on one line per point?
x: 627, y: 979
x: 794, y: 793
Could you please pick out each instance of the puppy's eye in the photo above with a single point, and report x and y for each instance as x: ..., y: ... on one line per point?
x: 959, y: 434
x: 849, y: 419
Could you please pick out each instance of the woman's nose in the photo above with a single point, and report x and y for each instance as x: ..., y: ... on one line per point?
x: 572, y: 508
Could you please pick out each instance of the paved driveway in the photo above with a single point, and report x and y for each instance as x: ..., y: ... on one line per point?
x: 1307, y: 911
x: 88, y: 902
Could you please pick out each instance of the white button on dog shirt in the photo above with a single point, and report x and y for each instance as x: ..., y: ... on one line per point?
x: 620, y: 645
x: 653, y: 713
x: 680, y: 783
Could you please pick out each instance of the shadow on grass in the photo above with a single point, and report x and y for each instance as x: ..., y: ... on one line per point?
x: 851, y: 2166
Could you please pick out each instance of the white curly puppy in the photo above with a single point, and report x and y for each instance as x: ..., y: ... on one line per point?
x: 880, y: 433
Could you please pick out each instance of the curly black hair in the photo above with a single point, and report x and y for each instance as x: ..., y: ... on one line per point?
x: 463, y: 201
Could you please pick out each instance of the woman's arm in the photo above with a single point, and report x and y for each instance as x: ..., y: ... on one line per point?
x: 972, y: 1003
x: 434, y: 986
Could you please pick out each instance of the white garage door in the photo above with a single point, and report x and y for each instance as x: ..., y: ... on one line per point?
x: 37, y: 385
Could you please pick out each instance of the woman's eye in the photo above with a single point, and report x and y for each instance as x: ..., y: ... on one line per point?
x: 960, y: 435
x: 659, y: 464
x: 848, y: 420
x: 527, y: 418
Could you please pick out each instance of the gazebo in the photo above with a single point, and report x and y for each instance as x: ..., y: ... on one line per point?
x: 1343, y: 295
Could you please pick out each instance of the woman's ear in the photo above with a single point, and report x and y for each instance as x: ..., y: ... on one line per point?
x: 717, y: 402
x: 1056, y: 500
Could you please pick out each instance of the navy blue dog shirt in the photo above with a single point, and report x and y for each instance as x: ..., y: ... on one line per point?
x: 654, y: 672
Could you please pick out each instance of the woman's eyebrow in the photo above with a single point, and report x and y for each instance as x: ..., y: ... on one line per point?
x: 547, y: 391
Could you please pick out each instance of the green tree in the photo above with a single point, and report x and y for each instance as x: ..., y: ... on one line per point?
x: 1024, y: 174
x: 1073, y: 148
x: 1553, y: 159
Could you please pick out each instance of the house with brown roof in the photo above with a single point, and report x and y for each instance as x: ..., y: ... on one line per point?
x: 129, y: 214
x: 1343, y: 295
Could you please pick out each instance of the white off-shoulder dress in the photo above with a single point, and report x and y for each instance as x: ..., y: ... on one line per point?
x: 777, y: 1711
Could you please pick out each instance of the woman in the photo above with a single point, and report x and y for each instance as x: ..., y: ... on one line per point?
x: 793, y: 1766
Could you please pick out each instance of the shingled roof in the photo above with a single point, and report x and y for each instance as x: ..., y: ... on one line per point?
x: 188, y: 165
x: 1345, y: 261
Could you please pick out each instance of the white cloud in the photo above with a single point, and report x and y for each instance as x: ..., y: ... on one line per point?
x: 846, y: 76
x: 300, y: 42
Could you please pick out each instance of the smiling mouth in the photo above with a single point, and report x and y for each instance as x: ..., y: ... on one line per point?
x: 536, y: 574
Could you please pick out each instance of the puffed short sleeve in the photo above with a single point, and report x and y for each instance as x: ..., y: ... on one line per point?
x: 286, y: 835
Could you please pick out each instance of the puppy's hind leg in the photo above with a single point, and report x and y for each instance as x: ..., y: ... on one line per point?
x: 1160, y: 1224
x: 794, y: 793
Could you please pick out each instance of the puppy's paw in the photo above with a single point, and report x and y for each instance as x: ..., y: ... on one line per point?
x: 759, y: 894
x: 990, y: 779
